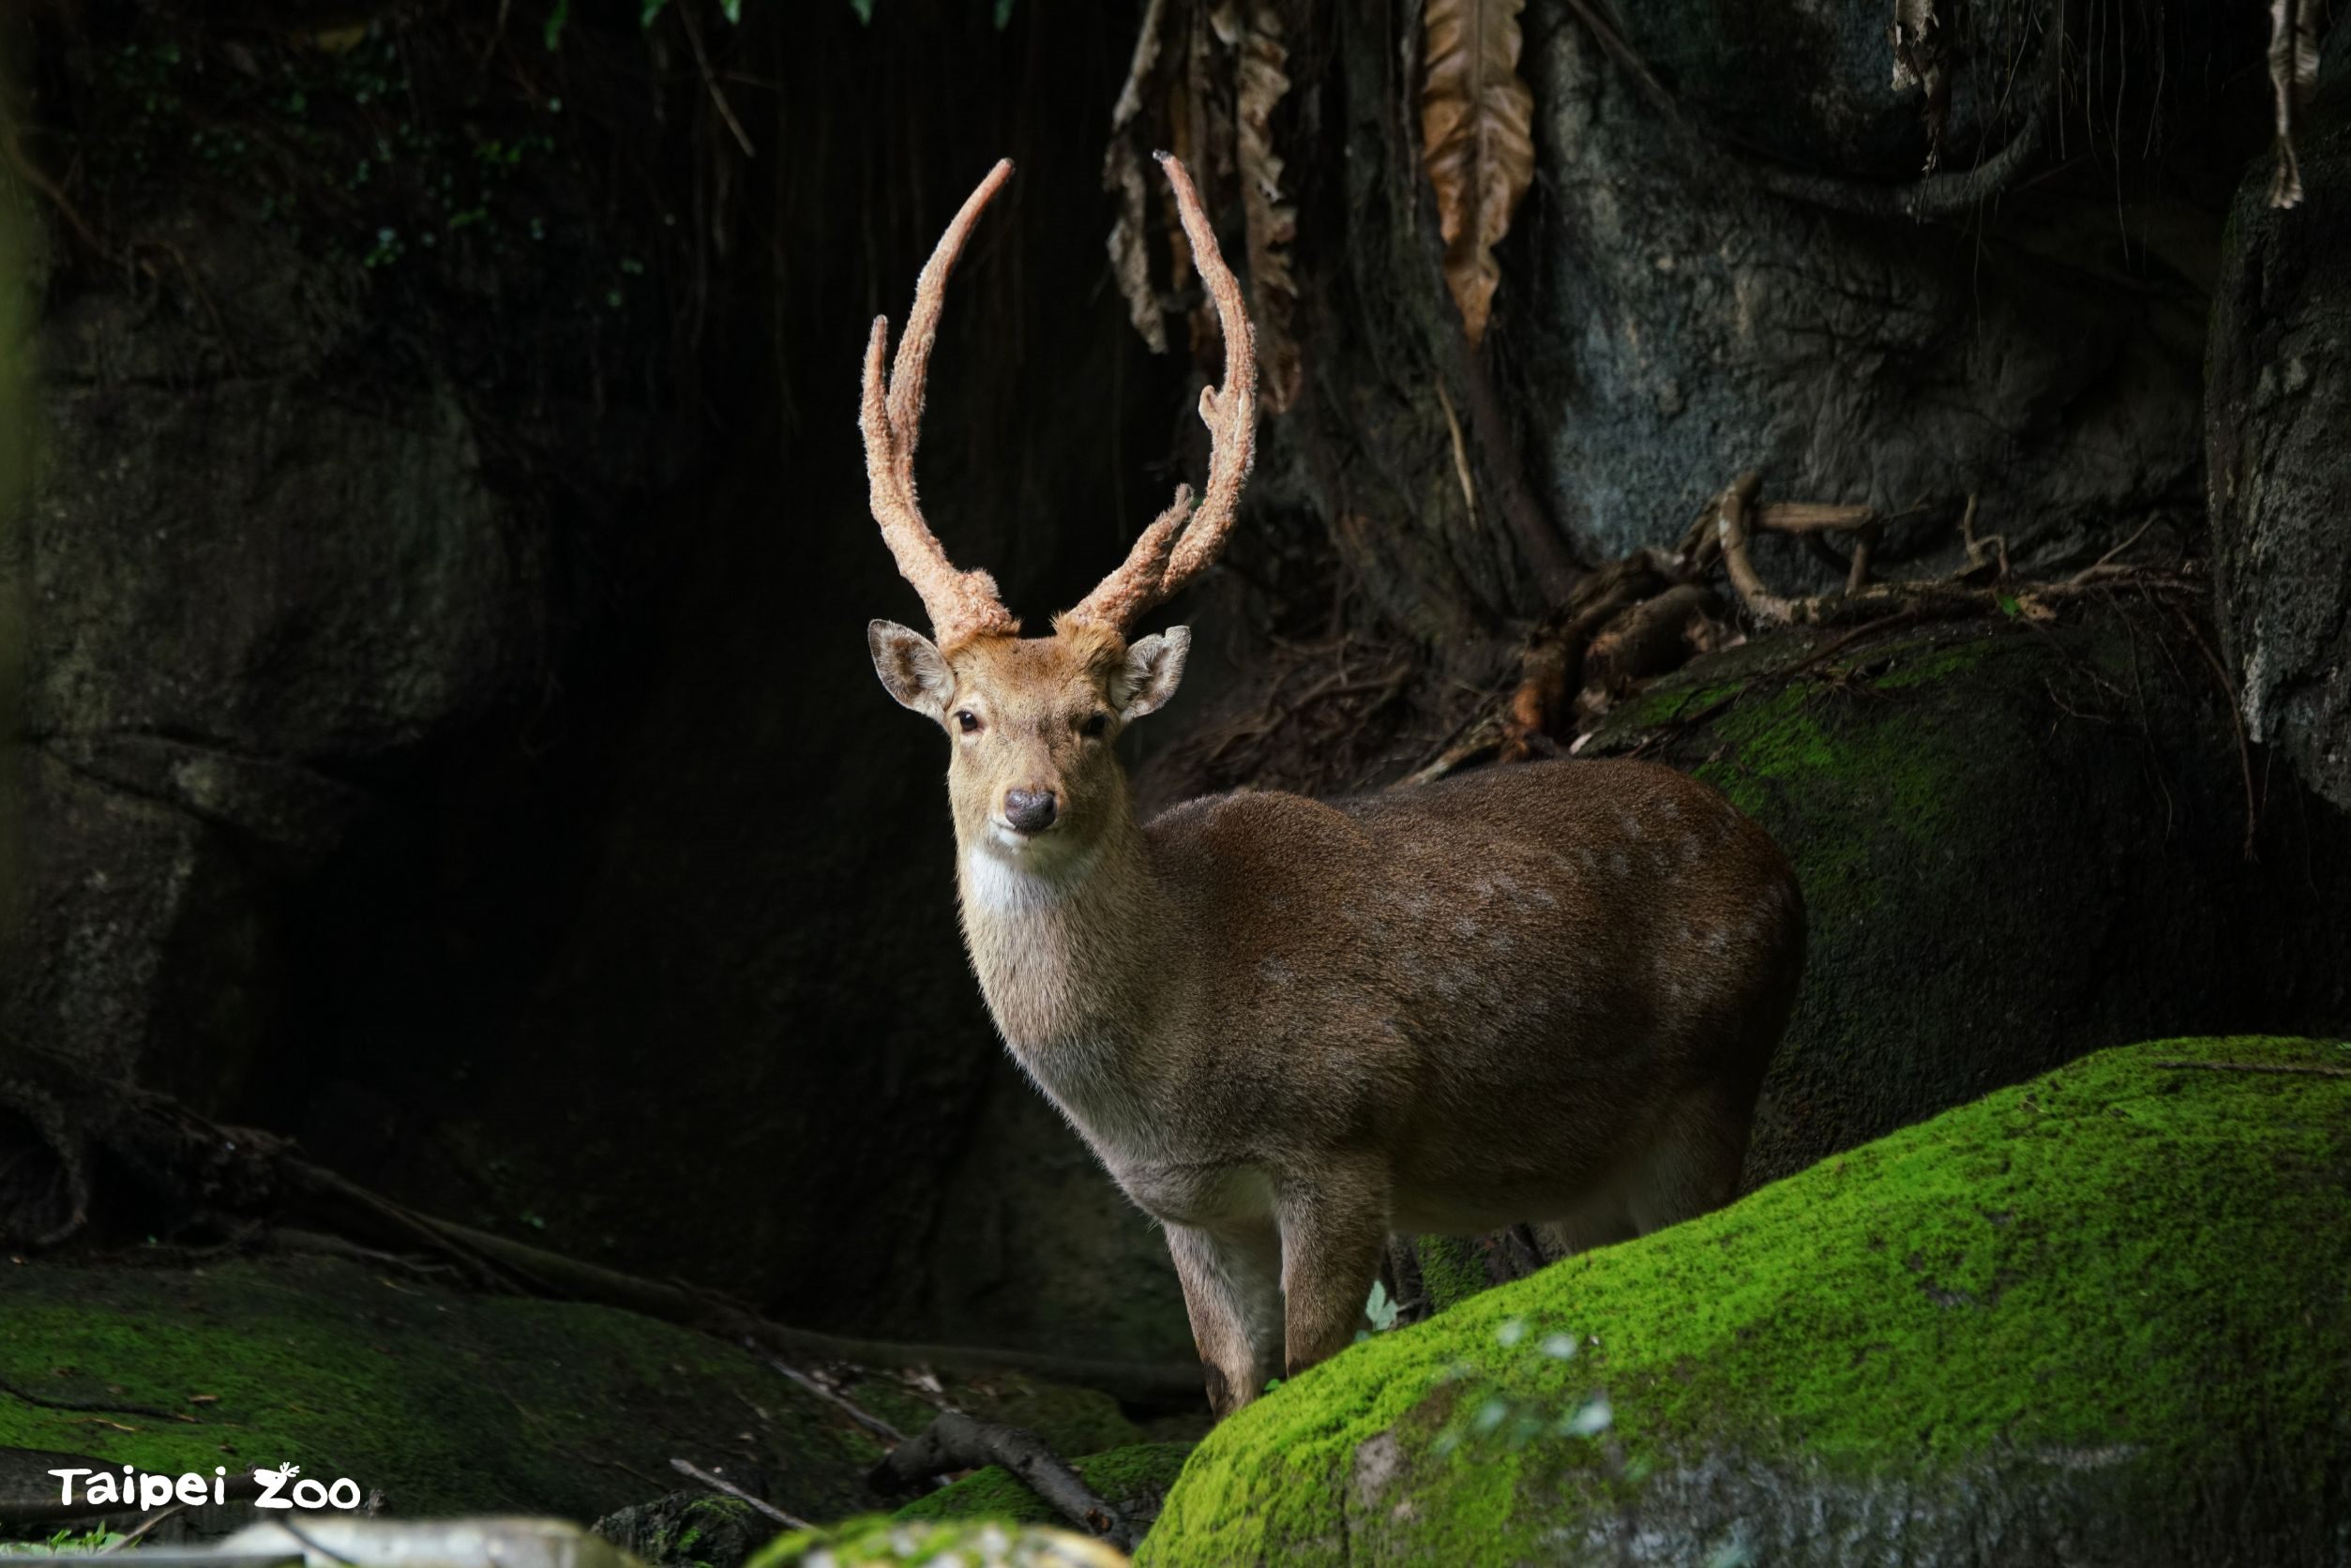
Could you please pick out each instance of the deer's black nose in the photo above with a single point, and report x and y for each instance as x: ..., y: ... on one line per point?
x: 1029, y: 810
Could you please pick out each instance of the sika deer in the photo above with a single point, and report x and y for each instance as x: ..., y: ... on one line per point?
x: 1290, y: 1027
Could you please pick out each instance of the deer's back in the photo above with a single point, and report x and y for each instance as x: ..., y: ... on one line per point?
x: 1510, y: 938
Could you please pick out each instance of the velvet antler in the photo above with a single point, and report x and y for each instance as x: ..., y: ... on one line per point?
x: 1175, y: 549
x: 963, y: 605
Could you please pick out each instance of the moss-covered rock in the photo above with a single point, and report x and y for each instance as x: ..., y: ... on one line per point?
x: 1133, y: 1479
x: 970, y: 1543
x: 688, y: 1530
x: 2017, y: 843
x: 2103, y: 1317
x: 446, y: 1402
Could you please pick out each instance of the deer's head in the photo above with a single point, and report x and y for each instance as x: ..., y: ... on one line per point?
x: 1031, y: 720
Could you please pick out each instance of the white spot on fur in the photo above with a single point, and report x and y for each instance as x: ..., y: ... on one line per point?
x: 1619, y: 864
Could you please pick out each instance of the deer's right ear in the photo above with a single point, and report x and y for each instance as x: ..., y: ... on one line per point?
x: 910, y: 669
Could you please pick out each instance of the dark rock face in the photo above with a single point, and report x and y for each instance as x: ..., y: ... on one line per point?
x: 2278, y: 410
x: 1753, y: 290
x: 452, y: 738
x: 252, y: 591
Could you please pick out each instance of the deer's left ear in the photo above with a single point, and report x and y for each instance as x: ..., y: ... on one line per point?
x: 1154, y: 668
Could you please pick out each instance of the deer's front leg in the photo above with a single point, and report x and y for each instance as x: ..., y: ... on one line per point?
x: 1334, y: 1229
x: 1232, y: 1287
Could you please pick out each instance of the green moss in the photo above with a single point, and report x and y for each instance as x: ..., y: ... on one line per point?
x: 446, y: 1402
x: 2087, y: 1264
x: 1451, y: 1269
x: 1135, y: 1478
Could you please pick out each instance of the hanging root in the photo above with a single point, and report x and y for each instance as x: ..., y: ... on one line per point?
x: 1650, y: 613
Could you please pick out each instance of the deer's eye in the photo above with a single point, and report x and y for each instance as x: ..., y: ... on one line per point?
x: 967, y: 721
x: 1094, y: 725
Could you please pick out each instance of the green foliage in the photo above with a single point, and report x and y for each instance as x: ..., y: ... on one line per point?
x: 1489, y: 1408
x: 64, y: 1542
x: 2071, y: 1267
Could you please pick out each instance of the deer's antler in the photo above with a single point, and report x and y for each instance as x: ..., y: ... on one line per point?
x: 1174, y: 549
x: 963, y: 605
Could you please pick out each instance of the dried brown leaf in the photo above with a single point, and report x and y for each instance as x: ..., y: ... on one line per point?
x: 1477, y: 140
x: 1123, y: 177
x: 1270, y: 222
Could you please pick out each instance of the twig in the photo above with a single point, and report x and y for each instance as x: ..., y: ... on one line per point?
x: 14, y: 152
x: 2097, y: 566
x: 955, y: 1442
x: 1976, y: 546
x: 2279, y: 1067
x: 311, y: 1548
x: 2236, y: 722
x: 726, y: 112
x: 849, y: 1407
x: 720, y: 1483
x: 133, y: 1537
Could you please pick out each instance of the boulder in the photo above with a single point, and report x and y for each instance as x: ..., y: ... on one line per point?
x: 445, y: 1402
x: 2276, y: 467
x: 2097, y: 1319
x: 2017, y: 842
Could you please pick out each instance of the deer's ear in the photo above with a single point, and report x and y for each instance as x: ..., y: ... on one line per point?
x: 1154, y: 668
x: 910, y: 669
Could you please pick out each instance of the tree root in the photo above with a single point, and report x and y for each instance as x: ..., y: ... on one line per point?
x: 240, y: 1175
x: 955, y: 1442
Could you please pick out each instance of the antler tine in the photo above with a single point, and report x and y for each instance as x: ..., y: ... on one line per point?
x: 961, y: 605
x: 1163, y: 558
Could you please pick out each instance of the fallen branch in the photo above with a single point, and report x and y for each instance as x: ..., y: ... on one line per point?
x: 719, y: 1484
x: 955, y: 1442
x: 81, y: 1406
x: 2281, y: 1068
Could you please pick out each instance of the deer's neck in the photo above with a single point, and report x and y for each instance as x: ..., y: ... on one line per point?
x: 1062, y: 942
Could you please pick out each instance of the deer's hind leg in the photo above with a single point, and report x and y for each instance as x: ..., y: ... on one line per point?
x: 1233, y: 1289
x: 1691, y: 1168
